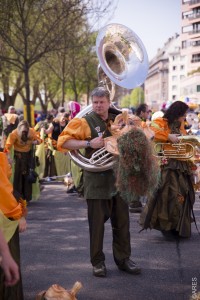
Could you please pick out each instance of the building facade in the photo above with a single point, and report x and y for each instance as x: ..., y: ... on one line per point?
x: 163, y: 70
x: 190, y: 48
x: 174, y: 72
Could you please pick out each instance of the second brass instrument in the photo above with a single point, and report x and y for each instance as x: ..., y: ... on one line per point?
x: 187, y: 148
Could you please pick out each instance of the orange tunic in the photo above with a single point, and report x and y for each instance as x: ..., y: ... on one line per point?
x: 162, y: 130
x: 76, y: 129
x: 8, y: 204
x: 14, y: 140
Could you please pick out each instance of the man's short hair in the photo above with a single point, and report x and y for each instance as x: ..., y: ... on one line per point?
x: 100, y: 92
x: 49, y: 117
x: 141, y: 108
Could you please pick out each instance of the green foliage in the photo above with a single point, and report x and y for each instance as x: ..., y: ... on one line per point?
x: 51, y: 43
x: 133, y: 99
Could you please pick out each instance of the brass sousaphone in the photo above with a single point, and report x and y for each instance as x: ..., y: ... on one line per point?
x: 123, y: 61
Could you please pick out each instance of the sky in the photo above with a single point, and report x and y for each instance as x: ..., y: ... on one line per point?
x: 154, y: 21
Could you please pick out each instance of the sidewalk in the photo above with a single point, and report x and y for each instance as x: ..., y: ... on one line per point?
x: 55, y: 249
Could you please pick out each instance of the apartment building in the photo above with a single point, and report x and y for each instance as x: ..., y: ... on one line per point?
x: 174, y: 73
x: 190, y: 48
x: 164, y: 72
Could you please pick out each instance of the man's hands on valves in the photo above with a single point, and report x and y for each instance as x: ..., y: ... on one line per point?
x: 97, y: 142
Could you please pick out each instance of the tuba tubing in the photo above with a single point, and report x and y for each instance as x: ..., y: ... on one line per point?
x: 177, y: 151
x: 100, y: 161
x: 123, y: 61
x: 185, y: 149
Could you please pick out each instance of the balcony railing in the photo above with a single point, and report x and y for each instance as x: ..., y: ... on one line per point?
x: 194, y: 2
x: 194, y: 16
x: 194, y: 31
x: 194, y: 60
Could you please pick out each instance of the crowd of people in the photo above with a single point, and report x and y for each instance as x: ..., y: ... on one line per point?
x: 24, y: 159
x: 168, y: 208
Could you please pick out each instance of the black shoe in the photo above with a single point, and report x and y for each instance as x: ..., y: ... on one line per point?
x: 99, y: 270
x: 71, y: 191
x: 170, y: 234
x: 129, y: 266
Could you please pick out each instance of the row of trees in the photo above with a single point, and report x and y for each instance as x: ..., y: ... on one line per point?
x: 47, y: 50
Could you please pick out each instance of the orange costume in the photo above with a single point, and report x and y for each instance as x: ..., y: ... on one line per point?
x: 170, y: 210
x: 15, y: 140
x: 78, y: 129
x: 22, y: 157
x: 10, y: 213
x: 162, y: 130
x: 8, y: 204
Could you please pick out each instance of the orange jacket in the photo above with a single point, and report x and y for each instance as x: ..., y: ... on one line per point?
x: 162, y: 130
x: 14, y: 140
x: 8, y: 204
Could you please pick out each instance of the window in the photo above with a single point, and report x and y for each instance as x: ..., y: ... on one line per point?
x: 187, y: 29
x: 196, y: 58
x: 174, y: 78
x: 174, y: 68
x: 186, y: 14
x: 196, y: 27
x: 182, y: 67
x: 196, y: 43
x: 198, y: 88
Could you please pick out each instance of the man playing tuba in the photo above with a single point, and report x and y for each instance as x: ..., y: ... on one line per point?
x: 103, y: 201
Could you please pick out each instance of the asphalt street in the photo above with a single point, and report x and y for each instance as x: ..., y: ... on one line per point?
x: 55, y: 249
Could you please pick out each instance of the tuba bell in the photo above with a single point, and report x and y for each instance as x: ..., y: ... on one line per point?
x: 123, y: 61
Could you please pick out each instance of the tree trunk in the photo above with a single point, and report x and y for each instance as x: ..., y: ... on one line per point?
x: 27, y: 88
x: 63, y: 92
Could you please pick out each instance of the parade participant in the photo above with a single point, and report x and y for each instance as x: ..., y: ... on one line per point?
x: 42, y: 149
x: 12, y: 221
x: 8, y: 122
x: 44, y: 124
x: 56, y: 162
x: 99, y: 187
x: 22, y: 139
x: 143, y: 112
x: 74, y: 108
x: 7, y: 263
x: 170, y: 210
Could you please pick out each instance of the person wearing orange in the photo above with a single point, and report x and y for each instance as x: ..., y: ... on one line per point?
x: 22, y: 139
x: 143, y: 112
x: 8, y: 122
x: 56, y: 163
x: 171, y: 208
x: 12, y: 221
x: 7, y: 263
x: 103, y: 200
